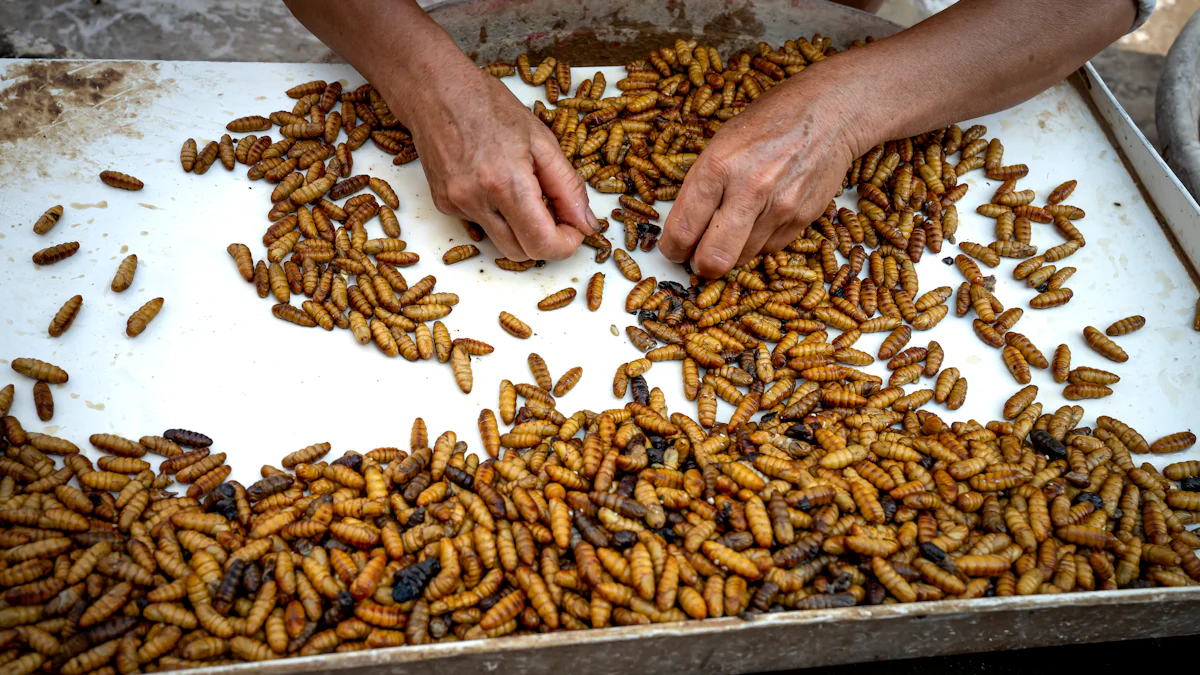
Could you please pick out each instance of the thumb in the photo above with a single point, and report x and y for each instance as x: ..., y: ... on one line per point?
x: 561, y: 184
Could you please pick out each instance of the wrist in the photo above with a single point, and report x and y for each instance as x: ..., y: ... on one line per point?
x: 852, y: 89
x: 424, y: 76
x: 416, y: 95
x: 819, y: 104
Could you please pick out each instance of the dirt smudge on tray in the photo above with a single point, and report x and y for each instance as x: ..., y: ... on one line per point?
x: 57, y: 108
x: 42, y: 92
x: 98, y: 205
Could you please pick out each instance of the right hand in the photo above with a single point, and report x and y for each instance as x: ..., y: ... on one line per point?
x: 489, y: 160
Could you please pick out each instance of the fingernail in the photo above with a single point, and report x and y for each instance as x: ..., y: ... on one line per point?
x: 593, y: 222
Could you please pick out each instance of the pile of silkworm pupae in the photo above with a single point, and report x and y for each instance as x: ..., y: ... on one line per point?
x: 628, y: 516
x: 824, y: 489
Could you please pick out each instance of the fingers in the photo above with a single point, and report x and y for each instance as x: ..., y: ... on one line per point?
x: 726, y: 236
x: 561, y: 184
x: 462, y: 199
x: 693, y: 210
x: 520, y: 204
x: 502, y: 236
x: 782, y: 237
x: 764, y: 228
x: 782, y: 209
x: 796, y: 211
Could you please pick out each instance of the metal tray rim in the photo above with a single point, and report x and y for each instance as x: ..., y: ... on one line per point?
x: 796, y: 620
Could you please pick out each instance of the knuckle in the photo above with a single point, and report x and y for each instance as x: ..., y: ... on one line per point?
x: 577, y: 184
x: 678, y: 229
x: 719, y: 166
x: 459, y: 193
x: 761, y: 186
x: 780, y: 211
x: 494, y: 182
x: 443, y: 202
x: 785, y: 202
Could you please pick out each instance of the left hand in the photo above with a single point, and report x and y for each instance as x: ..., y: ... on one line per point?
x: 764, y: 177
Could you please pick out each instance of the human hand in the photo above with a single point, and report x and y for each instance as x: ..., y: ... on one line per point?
x: 764, y: 177
x: 489, y: 160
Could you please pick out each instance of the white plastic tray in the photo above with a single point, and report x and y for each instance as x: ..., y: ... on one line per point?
x: 216, y: 361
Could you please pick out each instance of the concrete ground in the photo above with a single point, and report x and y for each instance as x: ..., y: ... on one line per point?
x: 255, y: 30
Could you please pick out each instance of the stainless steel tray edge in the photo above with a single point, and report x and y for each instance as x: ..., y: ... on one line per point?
x: 1179, y: 210
x: 785, y: 640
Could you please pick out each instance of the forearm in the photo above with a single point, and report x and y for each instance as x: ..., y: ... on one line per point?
x: 488, y: 160
x: 393, y: 43
x: 969, y: 60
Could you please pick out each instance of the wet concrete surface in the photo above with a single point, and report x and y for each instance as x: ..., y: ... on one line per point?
x: 217, y: 30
